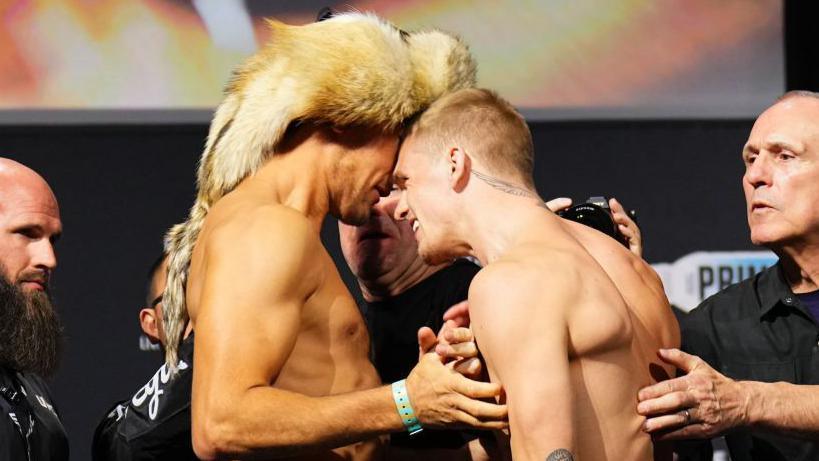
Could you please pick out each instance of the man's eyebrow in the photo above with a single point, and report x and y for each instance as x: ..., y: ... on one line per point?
x: 784, y: 145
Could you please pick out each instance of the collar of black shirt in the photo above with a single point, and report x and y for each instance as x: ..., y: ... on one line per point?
x: 773, y: 289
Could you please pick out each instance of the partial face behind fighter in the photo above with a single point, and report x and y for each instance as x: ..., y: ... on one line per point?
x: 781, y: 181
x: 380, y: 245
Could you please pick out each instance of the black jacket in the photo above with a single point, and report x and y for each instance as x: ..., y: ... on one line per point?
x: 155, y: 424
x: 30, y: 428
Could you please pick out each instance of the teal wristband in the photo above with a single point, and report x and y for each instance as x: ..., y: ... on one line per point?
x: 402, y: 403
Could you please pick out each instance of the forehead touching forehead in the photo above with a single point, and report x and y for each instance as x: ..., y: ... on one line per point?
x: 414, y: 156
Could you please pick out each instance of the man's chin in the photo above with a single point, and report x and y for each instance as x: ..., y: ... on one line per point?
x: 767, y: 237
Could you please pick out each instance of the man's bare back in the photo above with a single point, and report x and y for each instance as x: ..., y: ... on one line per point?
x: 576, y: 292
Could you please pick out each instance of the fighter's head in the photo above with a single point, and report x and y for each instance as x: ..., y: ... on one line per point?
x: 781, y: 180
x: 469, y: 135
x: 358, y: 165
x: 352, y: 70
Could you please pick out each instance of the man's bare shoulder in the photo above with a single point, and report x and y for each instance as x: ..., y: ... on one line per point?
x: 262, y: 235
x: 523, y: 281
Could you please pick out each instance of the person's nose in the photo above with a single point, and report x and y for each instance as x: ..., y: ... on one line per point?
x: 43, y: 255
x: 401, y: 211
x: 384, y: 189
x: 758, y: 173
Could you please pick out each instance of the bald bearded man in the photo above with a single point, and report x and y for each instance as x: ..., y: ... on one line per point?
x: 30, y: 333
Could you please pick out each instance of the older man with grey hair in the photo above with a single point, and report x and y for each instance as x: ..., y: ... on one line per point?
x: 751, y: 357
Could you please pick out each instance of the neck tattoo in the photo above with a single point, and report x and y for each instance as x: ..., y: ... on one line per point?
x: 507, y: 187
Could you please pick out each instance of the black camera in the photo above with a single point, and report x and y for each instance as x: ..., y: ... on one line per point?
x: 595, y: 213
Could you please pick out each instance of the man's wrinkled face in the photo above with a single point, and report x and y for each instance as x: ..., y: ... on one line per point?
x: 380, y: 245
x: 363, y: 175
x: 781, y: 181
x: 425, y: 199
x: 29, y: 227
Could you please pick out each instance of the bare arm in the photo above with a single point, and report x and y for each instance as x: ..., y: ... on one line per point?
x: 258, y: 277
x: 520, y: 326
x: 715, y: 403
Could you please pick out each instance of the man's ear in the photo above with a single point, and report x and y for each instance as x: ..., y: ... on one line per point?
x: 147, y: 320
x: 460, y: 166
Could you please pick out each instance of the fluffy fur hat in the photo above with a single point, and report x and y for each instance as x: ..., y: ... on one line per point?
x: 351, y: 69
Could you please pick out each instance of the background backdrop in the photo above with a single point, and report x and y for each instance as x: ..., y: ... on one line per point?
x: 121, y: 185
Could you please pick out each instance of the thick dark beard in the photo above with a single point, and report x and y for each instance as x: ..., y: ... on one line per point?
x: 30, y: 332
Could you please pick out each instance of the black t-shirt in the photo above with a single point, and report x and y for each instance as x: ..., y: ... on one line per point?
x: 394, y: 325
x: 155, y: 424
x: 30, y: 428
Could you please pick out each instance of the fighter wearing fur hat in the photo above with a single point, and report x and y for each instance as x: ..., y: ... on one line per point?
x: 309, y: 126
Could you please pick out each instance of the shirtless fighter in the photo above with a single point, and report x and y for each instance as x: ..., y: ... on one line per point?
x: 567, y: 319
x: 308, y: 127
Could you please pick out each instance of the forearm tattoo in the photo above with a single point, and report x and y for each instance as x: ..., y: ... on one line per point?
x: 561, y: 454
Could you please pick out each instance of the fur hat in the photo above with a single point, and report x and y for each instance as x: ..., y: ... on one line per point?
x: 353, y: 68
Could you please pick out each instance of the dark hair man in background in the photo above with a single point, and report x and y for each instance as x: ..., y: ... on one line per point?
x: 150, y: 316
x: 754, y: 368
x: 30, y: 332
x: 154, y: 424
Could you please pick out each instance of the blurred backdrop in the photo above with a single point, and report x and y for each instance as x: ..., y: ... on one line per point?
x: 646, y: 101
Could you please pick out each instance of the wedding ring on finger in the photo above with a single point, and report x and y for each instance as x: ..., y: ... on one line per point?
x: 686, y: 417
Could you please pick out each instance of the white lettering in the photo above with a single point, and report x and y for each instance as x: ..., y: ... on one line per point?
x: 696, y: 276
x: 152, y: 390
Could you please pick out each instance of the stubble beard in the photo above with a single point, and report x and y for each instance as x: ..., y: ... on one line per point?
x: 30, y: 331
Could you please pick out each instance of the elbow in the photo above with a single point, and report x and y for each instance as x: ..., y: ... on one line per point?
x: 224, y: 436
x: 214, y: 441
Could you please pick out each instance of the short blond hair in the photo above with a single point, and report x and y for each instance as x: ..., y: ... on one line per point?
x: 487, y: 126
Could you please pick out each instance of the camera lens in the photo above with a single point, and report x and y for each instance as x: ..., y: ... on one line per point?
x: 592, y: 216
